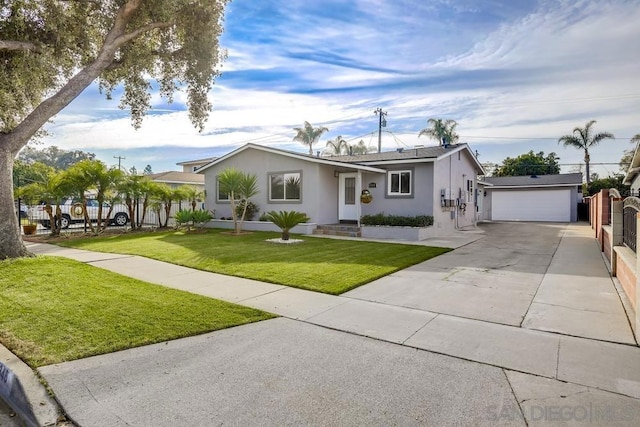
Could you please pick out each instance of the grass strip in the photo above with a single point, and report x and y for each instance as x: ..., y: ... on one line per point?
x: 54, y: 309
x: 331, y: 266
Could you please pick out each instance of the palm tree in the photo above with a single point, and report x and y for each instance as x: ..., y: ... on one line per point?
x: 336, y: 147
x: 286, y: 220
x: 133, y: 189
x: 583, y: 139
x: 443, y: 131
x: 625, y: 162
x: 192, y: 194
x: 359, y: 148
x: 308, y: 135
x: 162, y: 197
x: 238, y: 185
x: 93, y: 174
x: 52, y: 190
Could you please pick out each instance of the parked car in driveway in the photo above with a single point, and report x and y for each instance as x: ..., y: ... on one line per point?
x: 73, y: 212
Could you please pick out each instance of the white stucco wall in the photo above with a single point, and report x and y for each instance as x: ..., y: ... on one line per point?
x: 452, y: 173
x: 318, y: 184
x: 420, y: 202
x: 320, y: 188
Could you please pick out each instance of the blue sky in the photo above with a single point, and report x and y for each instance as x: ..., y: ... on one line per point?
x: 514, y: 74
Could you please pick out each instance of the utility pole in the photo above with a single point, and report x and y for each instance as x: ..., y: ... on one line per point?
x: 120, y: 158
x: 382, y: 122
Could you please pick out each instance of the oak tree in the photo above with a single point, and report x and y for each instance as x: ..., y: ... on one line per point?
x: 51, y: 50
x: 529, y: 164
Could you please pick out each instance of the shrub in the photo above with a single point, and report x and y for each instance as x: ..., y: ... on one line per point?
x: 252, y: 209
x: 396, y: 220
x: 286, y: 220
x: 200, y: 218
x: 182, y: 218
x: 263, y: 217
x: 187, y: 218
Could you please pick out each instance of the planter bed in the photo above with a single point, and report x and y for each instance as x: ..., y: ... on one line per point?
x: 412, y: 234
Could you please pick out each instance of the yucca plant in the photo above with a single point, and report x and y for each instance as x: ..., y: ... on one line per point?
x: 286, y: 220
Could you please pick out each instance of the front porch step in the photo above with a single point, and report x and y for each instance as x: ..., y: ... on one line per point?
x: 347, y: 230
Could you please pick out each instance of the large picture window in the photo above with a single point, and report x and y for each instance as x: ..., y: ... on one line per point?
x: 285, y: 187
x: 399, y: 183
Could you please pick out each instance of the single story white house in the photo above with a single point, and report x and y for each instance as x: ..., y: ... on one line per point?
x: 436, y: 181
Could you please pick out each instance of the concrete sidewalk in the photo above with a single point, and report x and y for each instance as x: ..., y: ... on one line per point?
x: 544, y: 311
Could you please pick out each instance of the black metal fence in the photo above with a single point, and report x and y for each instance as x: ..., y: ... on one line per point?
x: 629, y: 226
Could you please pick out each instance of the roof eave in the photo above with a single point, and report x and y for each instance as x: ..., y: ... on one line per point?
x: 534, y: 186
x: 319, y: 160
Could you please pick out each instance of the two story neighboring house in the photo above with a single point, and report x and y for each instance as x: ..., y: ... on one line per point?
x: 438, y: 181
x: 190, y: 166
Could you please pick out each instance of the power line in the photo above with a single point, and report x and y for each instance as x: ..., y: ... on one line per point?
x: 523, y: 138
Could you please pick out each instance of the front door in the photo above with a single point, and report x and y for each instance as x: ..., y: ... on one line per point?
x: 347, y: 205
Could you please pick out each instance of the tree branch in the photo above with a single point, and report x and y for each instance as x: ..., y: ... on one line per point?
x: 16, y: 45
x: 130, y: 36
x: 51, y: 106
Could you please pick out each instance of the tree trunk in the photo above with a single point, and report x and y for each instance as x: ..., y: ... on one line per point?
x: 285, y: 234
x: 167, y: 212
x: 11, y: 245
x: 587, y: 160
x: 145, y: 204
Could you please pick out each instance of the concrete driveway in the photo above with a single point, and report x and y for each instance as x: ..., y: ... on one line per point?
x: 521, y: 327
x: 519, y: 274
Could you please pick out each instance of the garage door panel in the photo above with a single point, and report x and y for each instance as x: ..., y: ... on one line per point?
x: 538, y: 205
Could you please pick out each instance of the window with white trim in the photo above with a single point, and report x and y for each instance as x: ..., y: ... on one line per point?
x: 285, y: 186
x: 399, y: 183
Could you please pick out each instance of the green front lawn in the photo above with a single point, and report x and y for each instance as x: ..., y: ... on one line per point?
x: 54, y: 309
x: 325, y: 265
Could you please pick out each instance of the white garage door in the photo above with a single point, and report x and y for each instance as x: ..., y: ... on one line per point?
x: 531, y: 205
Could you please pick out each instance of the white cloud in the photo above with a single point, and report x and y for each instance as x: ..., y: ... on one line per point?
x: 537, y: 73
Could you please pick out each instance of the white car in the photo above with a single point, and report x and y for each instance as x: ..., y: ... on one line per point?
x: 73, y: 212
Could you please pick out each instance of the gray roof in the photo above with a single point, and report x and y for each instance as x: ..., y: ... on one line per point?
x: 535, y: 180
x: 177, y: 177
x: 197, y: 162
x: 363, y: 161
x: 400, y: 154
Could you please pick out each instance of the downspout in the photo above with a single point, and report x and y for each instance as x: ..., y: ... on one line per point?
x: 358, y: 191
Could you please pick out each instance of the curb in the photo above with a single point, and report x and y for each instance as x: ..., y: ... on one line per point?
x: 42, y: 404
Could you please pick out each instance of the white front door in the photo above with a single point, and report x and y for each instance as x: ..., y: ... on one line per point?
x: 348, y: 203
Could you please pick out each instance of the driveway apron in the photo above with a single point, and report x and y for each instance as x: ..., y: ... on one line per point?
x: 494, y: 279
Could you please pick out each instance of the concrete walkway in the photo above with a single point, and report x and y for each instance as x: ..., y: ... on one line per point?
x: 531, y: 300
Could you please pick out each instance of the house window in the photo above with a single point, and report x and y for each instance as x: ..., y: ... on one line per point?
x: 285, y: 186
x: 399, y: 183
x: 220, y: 196
x: 349, y: 191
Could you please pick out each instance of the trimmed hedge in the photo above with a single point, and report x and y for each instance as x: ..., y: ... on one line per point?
x: 396, y: 220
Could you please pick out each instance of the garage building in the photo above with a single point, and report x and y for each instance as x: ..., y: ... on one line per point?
x: 550, y: 198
